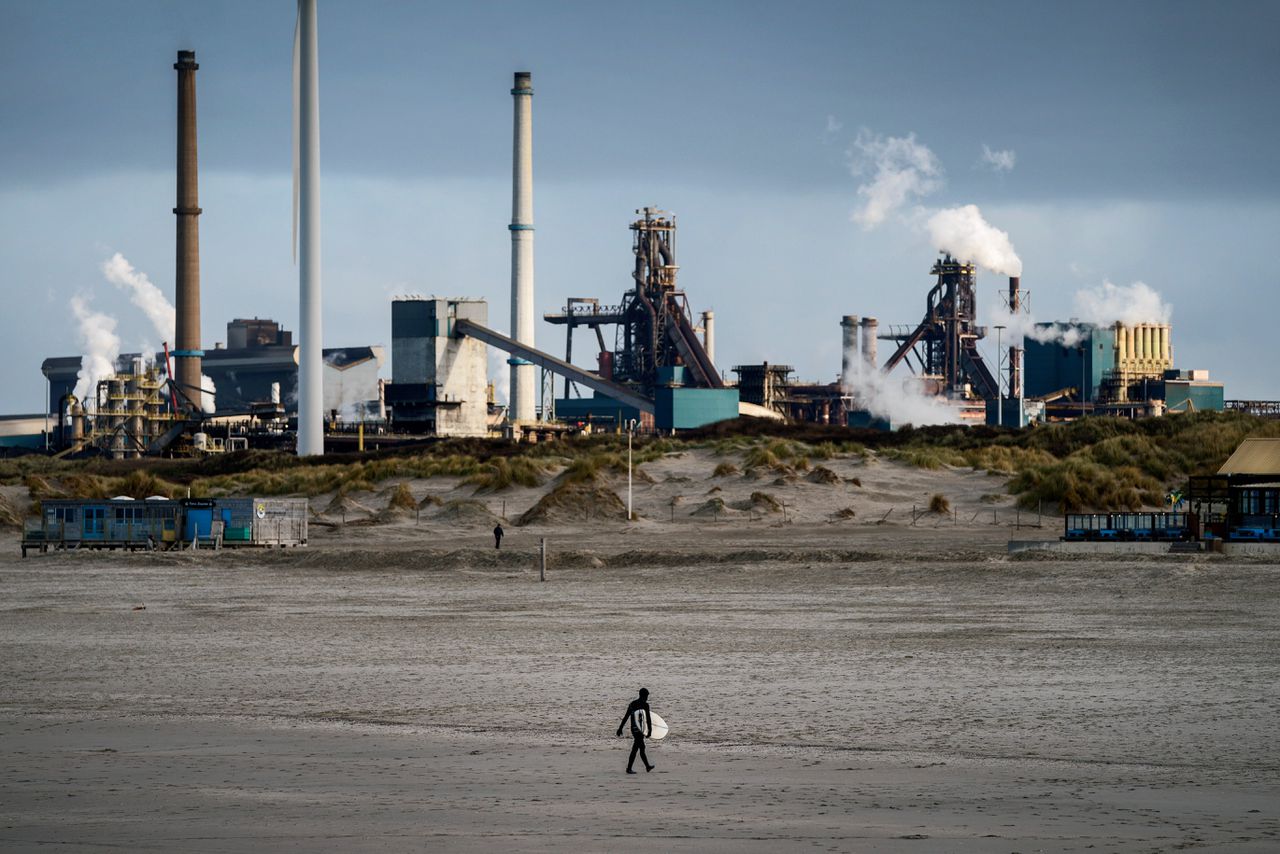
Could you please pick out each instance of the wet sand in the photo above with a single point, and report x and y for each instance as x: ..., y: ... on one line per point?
x: 870, y: 689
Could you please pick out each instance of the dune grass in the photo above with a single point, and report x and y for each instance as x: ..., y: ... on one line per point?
x: 1091, y: 464
x: 402, y: 498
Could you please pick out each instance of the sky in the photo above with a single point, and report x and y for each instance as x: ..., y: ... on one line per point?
x: 1110, y: 142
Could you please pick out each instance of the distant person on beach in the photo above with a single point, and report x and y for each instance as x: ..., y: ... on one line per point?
x: 497, y: 535
x: 641, y: 728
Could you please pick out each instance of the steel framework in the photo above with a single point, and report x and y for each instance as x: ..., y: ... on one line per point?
x: 945, y: 343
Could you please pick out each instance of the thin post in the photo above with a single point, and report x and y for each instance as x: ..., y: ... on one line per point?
x: 542, y: 563
x: 631, y: 427
x: 999, y: 390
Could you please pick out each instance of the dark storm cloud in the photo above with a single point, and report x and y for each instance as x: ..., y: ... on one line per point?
x: 1143, y: 100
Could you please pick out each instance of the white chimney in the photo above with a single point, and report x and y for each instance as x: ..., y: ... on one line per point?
x: 307, y: 116
x: 523, y: 381
x: 709, y: 335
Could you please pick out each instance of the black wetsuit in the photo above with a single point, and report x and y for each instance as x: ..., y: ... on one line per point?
x: 497, y: 537
x: 637, y: 736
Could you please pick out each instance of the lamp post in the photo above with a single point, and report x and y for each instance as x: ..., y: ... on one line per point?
x: 631, y: 429
x: 999, y: 395
x: 1083, y: 345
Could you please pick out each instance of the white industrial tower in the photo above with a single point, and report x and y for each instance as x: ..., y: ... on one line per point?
x: 307, y: 216
x: 523, y: 381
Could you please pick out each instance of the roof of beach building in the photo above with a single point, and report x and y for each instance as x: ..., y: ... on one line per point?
x: 1254, y: 456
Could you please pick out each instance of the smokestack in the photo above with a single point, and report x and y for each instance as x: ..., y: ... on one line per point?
x: 849, y: 346
x: 869, y: 327
x: 709, y: 335
x: 186, y: 343
x: 1015, y: 352
x: 522, y: 377
x: 310, y: 335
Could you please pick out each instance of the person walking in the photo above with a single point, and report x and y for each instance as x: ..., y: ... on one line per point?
x: 497, y: 535
x: 641, y: 728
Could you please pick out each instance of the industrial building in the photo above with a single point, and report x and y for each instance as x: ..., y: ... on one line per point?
x: 439, y: 383
x: 654, y: 362
x: 259, y: 365
x: 1117, y: 369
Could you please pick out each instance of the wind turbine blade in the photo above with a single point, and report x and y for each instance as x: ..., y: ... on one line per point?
x: 297, y: 84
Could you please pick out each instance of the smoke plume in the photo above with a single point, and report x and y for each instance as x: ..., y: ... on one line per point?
x: 208, y: 392
x: 968, y: 236
x: 899, y: 400
x: 101, y: 346
x: 901, y: 169
x: 1127, y: 304
x: 998, y: 161
x: 1104, y: 305
x: 142, y: 293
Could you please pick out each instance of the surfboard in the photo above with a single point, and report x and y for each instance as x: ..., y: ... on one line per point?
x: 659, y: 725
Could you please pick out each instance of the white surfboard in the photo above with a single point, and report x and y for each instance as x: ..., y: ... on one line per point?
x: 660, y: 727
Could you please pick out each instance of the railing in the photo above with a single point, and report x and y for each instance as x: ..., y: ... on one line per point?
x: 1135, y: 526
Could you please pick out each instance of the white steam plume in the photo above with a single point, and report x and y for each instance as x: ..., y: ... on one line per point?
x: 834, y: 126
x: 901, y: 169
x: 1127, y: 304
x: 898, y: 400
x: 146, y: 296
x: 967, y: 236
x: 1104, y: 306
x: 208, y: 392
x: 998, y: 161
x: 101, y: 347
x: 143, y: 294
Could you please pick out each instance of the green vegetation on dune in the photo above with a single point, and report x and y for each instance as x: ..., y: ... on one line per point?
x: 1093, y: 464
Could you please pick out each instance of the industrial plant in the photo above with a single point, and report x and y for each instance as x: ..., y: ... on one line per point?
x: 653, y: 367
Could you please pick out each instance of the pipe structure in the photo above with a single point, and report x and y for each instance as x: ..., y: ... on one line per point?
x: 187, y: 350
x: 310, y: 334
x: 521, y: 228
x: 869, y: 327
x: 1166, y: 349
x: 1015, y: 352
x: 709, y: 335
x: 848, y: 347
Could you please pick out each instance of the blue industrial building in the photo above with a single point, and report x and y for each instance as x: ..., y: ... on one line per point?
x: 1051, y: 365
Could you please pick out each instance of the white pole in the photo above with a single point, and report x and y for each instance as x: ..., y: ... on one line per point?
x: 630, y: 428
x: 521, y: 228
x: 310, y: 365
x: 999, y: 395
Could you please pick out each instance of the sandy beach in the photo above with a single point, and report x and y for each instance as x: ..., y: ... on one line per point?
x: 835, y: 685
